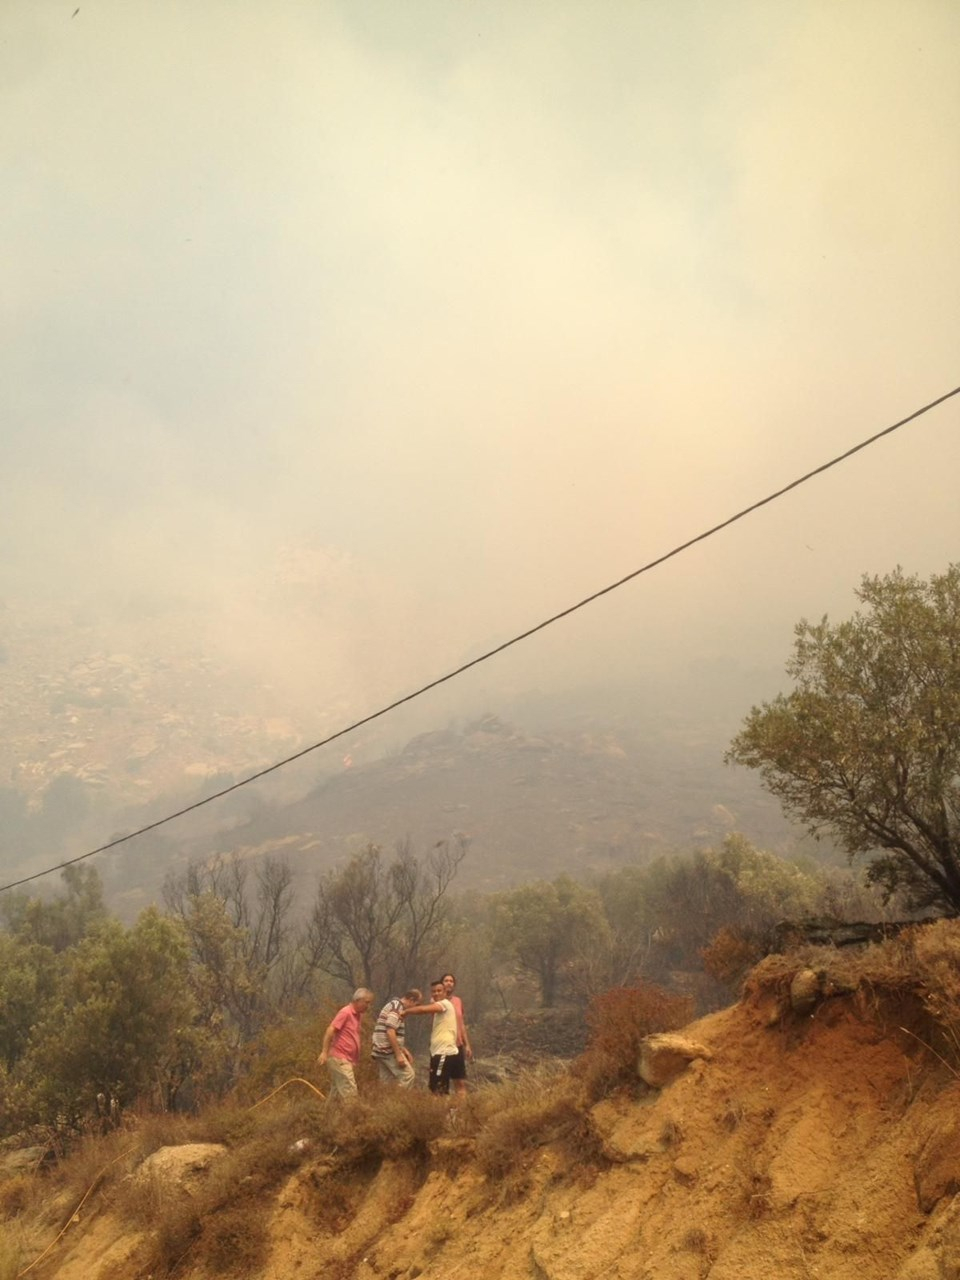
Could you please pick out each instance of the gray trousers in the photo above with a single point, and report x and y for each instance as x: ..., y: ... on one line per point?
x: 391, y: 1072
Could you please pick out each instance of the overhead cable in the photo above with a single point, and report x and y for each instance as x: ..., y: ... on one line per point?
x: 490, y: 653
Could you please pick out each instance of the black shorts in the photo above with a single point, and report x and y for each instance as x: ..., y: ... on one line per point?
x: 445, y: 1067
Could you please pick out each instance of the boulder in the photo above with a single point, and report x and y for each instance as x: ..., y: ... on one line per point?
x: 23, y: 1160
x: 665, y: 1056
x: 805, y: 990
x: 182, y: 1166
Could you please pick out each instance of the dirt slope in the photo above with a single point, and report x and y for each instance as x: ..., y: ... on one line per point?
x: 817, y: 1146
x: 789, y: 1154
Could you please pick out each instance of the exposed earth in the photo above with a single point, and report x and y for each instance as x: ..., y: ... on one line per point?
x: 809, y: 1144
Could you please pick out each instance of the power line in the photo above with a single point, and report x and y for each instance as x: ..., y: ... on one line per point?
x: 507, y: 644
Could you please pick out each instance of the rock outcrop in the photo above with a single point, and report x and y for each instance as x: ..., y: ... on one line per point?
x: 663, y: 1057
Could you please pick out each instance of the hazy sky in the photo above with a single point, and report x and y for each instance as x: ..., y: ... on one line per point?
x: 365, y: 335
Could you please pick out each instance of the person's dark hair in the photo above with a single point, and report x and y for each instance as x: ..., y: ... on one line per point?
x: 437, y: 982
x: 447, y: 975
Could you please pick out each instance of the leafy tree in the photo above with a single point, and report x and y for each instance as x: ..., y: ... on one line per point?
x: 770, y: 887
x: 544, y: 926
x: 867, y: 745
x: 664, y: 915
x: 467, y: 951
x: 379, y: 924
x: 29, y: 979
x: 634, y: 922
x: 58, y: 923
x: 736, y: 887
x: 121, y: 1024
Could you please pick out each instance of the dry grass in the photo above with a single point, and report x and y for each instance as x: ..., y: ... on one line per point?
x: 17, y: 1195
x: 11, y: 1254
x: 671, y: 1135
x: 759, y: 1203
x: 524, y: 1117
x: 910, y: 983
x: 618, y: 1021
x: 222, y: 1223
x: 696, y: 1240
x: 222, y: 1220
x: 388, y: 1124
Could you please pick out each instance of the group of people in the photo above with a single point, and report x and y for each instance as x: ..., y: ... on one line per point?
x: 450, y: 1049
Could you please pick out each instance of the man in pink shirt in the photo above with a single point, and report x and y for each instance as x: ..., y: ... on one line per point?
x: 340, y: 1051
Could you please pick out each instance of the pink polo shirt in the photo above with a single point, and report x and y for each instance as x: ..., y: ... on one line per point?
x: 346, y: 1035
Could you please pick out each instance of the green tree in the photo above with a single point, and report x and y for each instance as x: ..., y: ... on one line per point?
x: 544, y: 926
x: 60, y: 922
x: 29, y: 980
x: 867, y: 745
x: 682, y: 902
x: 122, y: 1022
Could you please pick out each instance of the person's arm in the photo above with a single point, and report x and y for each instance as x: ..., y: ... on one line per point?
x: 465, y: 1035
x: 422, y: 1008
x: 399, y: 1052
x: 327, y: 1041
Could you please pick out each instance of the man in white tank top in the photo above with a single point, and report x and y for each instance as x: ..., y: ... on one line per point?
x: 443, y: 1037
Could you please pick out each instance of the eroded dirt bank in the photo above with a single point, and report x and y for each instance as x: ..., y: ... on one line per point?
x: 826, y: 1145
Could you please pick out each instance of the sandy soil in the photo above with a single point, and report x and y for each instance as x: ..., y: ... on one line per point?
x: 826, y: 1147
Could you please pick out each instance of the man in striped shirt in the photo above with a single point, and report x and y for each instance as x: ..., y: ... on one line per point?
x: 394, y: 1060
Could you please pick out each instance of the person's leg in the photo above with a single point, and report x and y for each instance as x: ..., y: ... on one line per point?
x: 457, y: 1072
x: 342, y: 1080
x: 391, y: 1072
x: 439, y: 1080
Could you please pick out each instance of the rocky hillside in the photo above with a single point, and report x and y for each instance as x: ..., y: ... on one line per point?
x: 817, y: 1138
x: 532, y: 804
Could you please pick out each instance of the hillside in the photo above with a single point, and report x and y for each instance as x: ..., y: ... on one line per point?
x: 532, y: 803
x: 109, y: 728
x: 820, y: 1143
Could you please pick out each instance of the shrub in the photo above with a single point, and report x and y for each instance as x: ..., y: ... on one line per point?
x: 282, y: 1051
x: 618, y: 1020
x: 234, y: 1240
x: 222, y: 1221
x: 16, y: 1194
x: 395, y: 1122
x: 729, y: 955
